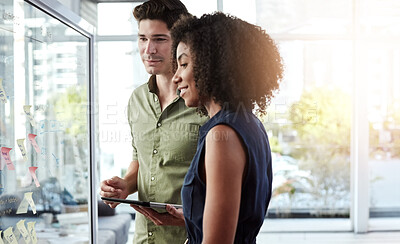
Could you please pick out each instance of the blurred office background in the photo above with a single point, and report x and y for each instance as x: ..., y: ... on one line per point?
x: 334, y: 126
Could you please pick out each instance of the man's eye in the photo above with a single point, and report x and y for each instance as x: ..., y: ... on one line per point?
x: 142, y: 39
x: 161, y: 39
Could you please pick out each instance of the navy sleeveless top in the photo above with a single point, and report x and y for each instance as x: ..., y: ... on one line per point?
x: 256, y: 187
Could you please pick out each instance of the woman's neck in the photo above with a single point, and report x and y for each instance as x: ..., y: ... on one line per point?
x: 212, y: 108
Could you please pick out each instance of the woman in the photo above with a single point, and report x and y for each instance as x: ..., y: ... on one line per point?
x: 226, y: 68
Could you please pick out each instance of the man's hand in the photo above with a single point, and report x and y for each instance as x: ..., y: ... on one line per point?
x: 172, y: 217
x: 115, y: 188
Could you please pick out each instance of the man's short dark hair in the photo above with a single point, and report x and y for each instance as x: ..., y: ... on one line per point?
x: 168, y: 11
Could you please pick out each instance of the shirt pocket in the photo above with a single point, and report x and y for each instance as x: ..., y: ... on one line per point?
x: 181, y: 140
x: 187, y: 195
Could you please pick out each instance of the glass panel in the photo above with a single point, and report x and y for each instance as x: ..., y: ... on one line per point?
x: 116, y: 19
x: 305, y: 16
x: 236, y: 8
x: 380, y: 17
x: 127, y: 74
x: 198, y: 8
x: 309, y: 129
x: 44, y: 121
x: 114, y: 131
x: 381, y: 62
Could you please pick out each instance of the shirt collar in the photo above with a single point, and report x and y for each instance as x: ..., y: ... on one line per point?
x: 152, y: 84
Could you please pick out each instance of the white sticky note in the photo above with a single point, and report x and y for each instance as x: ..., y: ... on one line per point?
x: 32, y: 231
x: 27, y: 201
x: 31, y: 138
x: 1, y: 239
x: 27, y: 110
x: 32, y: 171
x: 3, y: 95
x: 9, y: 236
x: 21, y: 146
x: 23, y: 231
x: 23, y: 207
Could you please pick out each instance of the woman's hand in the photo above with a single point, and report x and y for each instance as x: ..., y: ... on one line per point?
x: 173, y: 216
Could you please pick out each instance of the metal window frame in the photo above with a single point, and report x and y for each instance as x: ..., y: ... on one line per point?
x: 63, y: 14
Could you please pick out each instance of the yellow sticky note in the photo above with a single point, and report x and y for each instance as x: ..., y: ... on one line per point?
x: 9, y: 236
x: 21, y: 146
x: 23, y: 206
x: 27, y: 110
x: 1, y: 239
x: 3, y: 95
x: 32, y: 231
x: 23, y: 231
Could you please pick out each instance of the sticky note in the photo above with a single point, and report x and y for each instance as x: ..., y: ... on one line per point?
x: 5, y: 153
x: 21, y: 146
x: 23, y: 231
x: 3, y: 95
x: 32, y: 231
x: 31, y: 138
x: 27, y: 110
x: 32, y: 170
x: 27, y: 201
x: 9, y: 236
x: 1, y: 239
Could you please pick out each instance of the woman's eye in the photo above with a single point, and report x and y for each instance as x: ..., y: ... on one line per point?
x: 184, y: 65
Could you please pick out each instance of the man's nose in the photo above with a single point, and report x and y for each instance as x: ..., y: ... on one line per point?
x: 151, y: 48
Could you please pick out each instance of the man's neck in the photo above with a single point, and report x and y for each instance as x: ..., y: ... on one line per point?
x: 166, y: 89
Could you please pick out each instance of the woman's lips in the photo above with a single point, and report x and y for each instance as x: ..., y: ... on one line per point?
x: 182, y: 90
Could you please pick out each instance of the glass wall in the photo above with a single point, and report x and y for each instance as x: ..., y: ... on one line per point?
x: 380, y: 62
x: 310, y: 119
x: 117, y: 41
x: 330, y: 47
x: 44, y: 127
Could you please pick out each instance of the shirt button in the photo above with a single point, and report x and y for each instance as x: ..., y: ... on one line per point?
x: 152, y: 178
x: 156, y: 99
x: 150, y: 233
x: 158, y: 124
x: 155, y: 151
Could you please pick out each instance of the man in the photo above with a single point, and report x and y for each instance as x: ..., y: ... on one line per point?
x: 164, y: 131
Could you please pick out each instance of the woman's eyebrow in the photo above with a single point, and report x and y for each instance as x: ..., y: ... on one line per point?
x: 180, y: 56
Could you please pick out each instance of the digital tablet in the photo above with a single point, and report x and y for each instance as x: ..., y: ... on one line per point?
x: 140, y: 203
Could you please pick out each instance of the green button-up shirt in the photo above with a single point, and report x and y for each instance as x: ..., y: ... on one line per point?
x: 164, y: 143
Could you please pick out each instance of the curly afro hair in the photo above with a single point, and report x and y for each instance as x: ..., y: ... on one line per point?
x: 236, y: 64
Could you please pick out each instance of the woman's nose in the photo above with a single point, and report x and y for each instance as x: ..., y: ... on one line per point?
x: 176, y: 78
